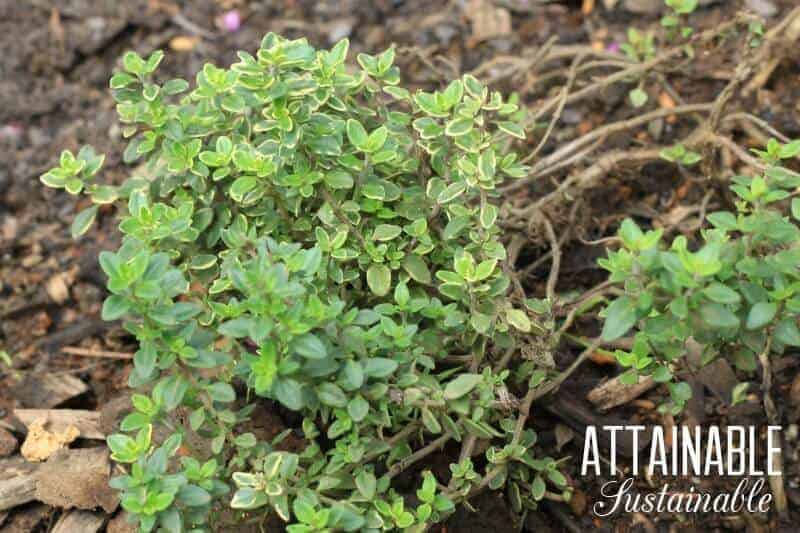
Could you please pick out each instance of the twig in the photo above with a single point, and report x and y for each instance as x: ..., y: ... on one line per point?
x: 763, y: 124
x: 420, y: 454
x: 557, y: 115
x: 394, y: 439
x: 737, y: 150
x: 555, y: 383
x: 596, y: 171
x: 555, y: 250
x: 85, y: 352
x: 790, y: 23
x: 640, y: 68
x: 539, y: 168
x: 776, y: 483
x: 180, y: 20
x: 595, y: 292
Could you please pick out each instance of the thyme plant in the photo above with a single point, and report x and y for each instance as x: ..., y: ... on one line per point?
x: 736, y: 291
x: 314, y: 234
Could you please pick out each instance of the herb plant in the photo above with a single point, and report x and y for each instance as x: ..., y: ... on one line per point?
x: 316, y: 235
x: 736, y: 293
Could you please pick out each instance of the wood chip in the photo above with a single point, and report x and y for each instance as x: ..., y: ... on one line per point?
x: 79, y: 522
x: 77, y: 479
x: 48, y: 390
x: 603, y: 358
x: 57, y: 288
x: 27, y: 518
x: 58, y: 420
x: 184, y: 43
x: 719, y: 378
x: 613, y: 392
x: 487, y: 21
x: 11, y: 467
x: 666, y: 101
x: 17, y: 490
x: 8, y: 443
x: 40, y: 443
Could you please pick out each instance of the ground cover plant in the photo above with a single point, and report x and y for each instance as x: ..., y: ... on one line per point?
x: 735, y: 295
x: 315, y: 234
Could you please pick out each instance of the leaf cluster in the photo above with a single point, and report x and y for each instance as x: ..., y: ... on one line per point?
x: 736, y: 291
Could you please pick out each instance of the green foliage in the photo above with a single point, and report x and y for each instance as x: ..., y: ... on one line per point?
x: 318, y: 236
x: 640, y: 46
x: 675, y: 22
x: 736, y: 292
x: 680, y: 155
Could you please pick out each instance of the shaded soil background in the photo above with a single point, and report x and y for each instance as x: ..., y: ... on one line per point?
x: 55, y: 64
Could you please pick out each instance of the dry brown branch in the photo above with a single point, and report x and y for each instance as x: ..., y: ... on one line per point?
x: 595, y: 172
x: 791, y: 24
x: 557, y: 115
x: 86, y: 352
x: 555, y: 250
x: 540, y: 168
x: 638, y: 69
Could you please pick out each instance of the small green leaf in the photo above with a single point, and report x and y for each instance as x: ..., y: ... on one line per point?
x: 242, y: 186
x: 83, y: 221
x: 357, y: 408
x: 451, y: 192
x: 638, y: 97
x: 761, y: 314
x: 662, y: 374
x: 379, y: 279
x: 488, y: 216
x: 386, y: 232
x: 115, y: 306
x: 620, y: 317
x: 538, y: 488
x: 786, y: 332
x: 221, y: 392
x: 339, y: 179
x: 145, y: 359
x: 356, y: 133
x: 376, y: 139
x: 680, y: 392
x: 194, y: 496
x: 796, y: 208
x: 512, y: 129
x: 430, y: 421
x: 366, y: 484
x: 175, y: 86
x: 458, y: 127
x: 718, y: 316
x: 330, y: 394
x: 415, y: 266
x: 717, y: 292
x: 310, y: 347
x: 461, y: 386
x: 120, y: 80
x: 739, y: 393
x: 379, y: 367
x: 518, y: 319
